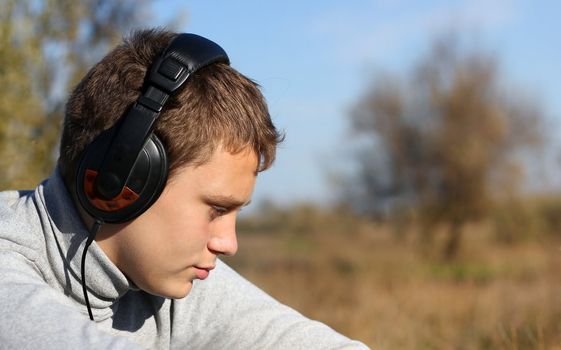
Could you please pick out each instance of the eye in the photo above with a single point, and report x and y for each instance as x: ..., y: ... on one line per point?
x: 217, y: 211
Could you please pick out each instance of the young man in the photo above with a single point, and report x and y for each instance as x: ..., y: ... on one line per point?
x: 161, y: 146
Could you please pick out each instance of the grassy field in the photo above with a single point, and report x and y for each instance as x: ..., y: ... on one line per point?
x: 390, y: 293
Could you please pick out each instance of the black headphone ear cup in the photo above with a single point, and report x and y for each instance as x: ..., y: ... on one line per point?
x: 143, y: 187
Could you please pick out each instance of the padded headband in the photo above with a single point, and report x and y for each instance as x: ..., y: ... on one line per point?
x: 186, y: 54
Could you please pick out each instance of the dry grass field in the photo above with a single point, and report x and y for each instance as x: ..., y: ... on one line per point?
x: 390, y: 293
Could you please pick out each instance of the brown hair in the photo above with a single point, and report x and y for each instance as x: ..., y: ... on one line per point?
x: 217, y: 106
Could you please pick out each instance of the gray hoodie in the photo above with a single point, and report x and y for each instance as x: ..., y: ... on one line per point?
x: 42, y: 306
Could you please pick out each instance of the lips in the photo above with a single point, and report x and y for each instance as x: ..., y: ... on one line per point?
x: 202, y: 272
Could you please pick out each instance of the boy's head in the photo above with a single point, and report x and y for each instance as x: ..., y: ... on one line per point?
x: 217, y: 106
x: 217, y: 133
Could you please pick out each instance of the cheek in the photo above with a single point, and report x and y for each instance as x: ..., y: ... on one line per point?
x: 189, y: 237
x: 162, y: 248
x: 182, y: 229
x: 176, y: 227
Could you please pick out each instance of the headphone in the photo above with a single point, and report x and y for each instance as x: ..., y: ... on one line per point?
x: 124, y: 170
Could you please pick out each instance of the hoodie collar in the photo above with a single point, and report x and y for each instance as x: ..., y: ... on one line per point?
x: 67, y: 234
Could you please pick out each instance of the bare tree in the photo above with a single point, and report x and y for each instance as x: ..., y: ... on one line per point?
x: 445, y: 141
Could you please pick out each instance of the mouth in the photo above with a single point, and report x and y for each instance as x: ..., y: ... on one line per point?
x: 202, y: 272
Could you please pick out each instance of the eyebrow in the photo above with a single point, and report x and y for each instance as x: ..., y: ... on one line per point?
x: 225, y: 201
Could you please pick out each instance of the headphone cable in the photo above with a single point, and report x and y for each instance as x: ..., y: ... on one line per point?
x: 93, y: 231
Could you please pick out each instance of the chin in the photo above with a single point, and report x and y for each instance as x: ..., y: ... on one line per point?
x: 170, y: 288
x: 183, y: 293
x: 173, y: 291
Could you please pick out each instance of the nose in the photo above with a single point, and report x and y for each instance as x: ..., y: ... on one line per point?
x: 223, y: 240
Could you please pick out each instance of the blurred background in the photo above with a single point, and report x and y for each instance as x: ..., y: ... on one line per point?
x: 415, y: 203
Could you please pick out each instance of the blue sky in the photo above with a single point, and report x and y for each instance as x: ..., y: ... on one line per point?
x: 314, y: 59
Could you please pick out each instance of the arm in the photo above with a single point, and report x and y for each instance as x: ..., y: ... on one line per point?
x: 34, y: 316
x: 228, y: 312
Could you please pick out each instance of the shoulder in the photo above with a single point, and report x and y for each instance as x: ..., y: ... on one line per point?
x: 223, y: 293
x: 225, y: 282
x: 228, y: 311
x: 20, y: 225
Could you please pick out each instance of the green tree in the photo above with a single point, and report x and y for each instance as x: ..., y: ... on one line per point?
x: 445, y: 141
x: 45, y: 47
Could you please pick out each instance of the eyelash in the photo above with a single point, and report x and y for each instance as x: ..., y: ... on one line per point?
x: 217, y: 211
